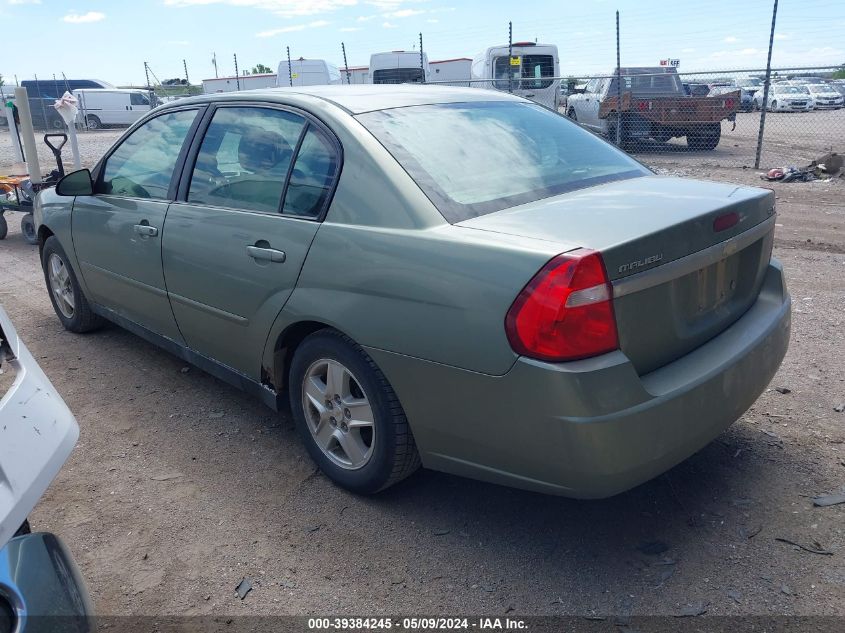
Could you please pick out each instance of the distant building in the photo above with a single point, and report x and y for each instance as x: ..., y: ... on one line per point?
x: 231, y: 84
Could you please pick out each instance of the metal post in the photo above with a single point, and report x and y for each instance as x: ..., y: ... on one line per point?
x: 237, y: 74
x: 766, y: 83
x: 510, y: 57
x: 41, y: 101
x: 618, y: 87
x: 67, y: 85
x: 345, y: 63
x: 185, y: 66
x: 32, y: 164
x: 214, y: 61
x: 13, y: 128
x: 290, y: 69
x: 422, y: 64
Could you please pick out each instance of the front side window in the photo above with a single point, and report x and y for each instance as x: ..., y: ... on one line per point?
x: 477, y: 158
x: 136, y: 98
x: 245, y: 157
x: 142, y: 166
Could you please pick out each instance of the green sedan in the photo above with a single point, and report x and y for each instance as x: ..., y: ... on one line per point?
x: 446, y: 277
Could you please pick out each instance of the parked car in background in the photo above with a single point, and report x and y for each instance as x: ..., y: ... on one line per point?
x: 785, y: 98
x: 751, y: 85
x: 529, y: 73
x: 825, y: 96
x: 103, y: 107
x: 399, y: 67
x: 426, y: 274
x: 746, y: 100
x: 40, y: 586
x: 307, y: 72
x: 43, y: 94
x: 654, y: 106
x: 696, y: 90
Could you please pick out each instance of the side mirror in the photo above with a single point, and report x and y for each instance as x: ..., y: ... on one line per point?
x: 76, y: 183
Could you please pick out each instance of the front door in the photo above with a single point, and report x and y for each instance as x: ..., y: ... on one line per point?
x: 235, y: 242
x: 117, y: 231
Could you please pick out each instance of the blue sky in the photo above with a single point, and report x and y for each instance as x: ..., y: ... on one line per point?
x: 110, y: 40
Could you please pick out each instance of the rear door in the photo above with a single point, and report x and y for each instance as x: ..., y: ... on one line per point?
x: 253, y: 194
x: 117, y: 231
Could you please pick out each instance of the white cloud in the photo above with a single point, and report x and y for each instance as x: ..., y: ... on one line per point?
x: 782, y: 36
x: 388, y: 25
x: 403, y: 13
x: 293, y: 28
x: 350, y: 29
x: 84, y: 18
x: 730, y: 39
x: 283, y: 8
x: 13, y: 2
x: 432, y: 20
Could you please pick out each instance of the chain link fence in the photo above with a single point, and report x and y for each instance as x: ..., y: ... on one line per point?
x: 713, y: 119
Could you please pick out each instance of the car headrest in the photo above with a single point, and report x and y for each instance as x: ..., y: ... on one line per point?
x: 261, y: 150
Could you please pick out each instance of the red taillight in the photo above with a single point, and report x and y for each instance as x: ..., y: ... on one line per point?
x: 725, y: 221
x: 729, y: 104
x: 566, y: 311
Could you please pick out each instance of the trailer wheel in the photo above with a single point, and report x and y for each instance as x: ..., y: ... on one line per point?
x: 4, y: 227
x: 571, y: 114
x: 706, y: 138
x: 28, y: 229
x: 57, y: 124
x: 92, y: 122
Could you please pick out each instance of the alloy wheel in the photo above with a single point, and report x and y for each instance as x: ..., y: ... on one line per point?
x: 60, y: 285
x: 338, y: 414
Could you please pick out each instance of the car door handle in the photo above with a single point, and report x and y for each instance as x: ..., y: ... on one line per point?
x: 266, y: 254
x: 145, y: 230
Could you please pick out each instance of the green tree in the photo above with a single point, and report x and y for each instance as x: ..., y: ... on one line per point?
x: 261, y: 69
x: 839, y: 74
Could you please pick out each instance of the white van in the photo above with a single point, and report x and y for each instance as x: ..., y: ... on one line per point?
x: 399, y: 67
x: 307, y: 72
x: 99, y: 107
x: 528, y: 73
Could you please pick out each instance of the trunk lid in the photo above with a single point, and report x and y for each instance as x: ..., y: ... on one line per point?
x: 678, y: 281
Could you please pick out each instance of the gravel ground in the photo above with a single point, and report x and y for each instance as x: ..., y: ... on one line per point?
x: 181, y: 486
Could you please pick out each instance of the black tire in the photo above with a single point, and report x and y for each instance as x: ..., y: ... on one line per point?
x: 82, y: 319
x: 24, y: 529
x: 28, y: 229
x: 706, y: 139
x: 4, y: 227
x: 571, y: 114
x: 394, y: 453
x: 93, y: 123
x: 773, y: 107
x: 57, y: 124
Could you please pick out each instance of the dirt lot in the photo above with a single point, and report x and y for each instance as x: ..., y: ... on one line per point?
x: 181, y: 486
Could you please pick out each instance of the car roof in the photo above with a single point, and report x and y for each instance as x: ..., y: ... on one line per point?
x: 357, y: 99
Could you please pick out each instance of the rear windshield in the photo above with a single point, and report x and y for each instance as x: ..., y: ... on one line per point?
x: 648, y: 81
x: 532, y: 68
x: 398, y: 76
x: 476, y: 158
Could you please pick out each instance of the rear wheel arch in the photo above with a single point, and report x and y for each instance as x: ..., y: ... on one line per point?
x: 284, y: 347
x: 44, y: 233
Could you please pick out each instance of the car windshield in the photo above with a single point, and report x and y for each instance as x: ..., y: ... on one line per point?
x: 476, y: 158
x: 788, y: 90
x: 753, y: 82
x: 819, y: 88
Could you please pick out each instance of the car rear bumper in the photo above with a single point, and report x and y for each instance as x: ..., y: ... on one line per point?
x: 591, y: 428
x: 40, y: 581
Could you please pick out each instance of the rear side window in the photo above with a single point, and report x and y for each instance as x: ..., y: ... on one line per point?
x: 477, y: 158
x: 312, y: 177
x: 245, y: 157
x: 142, y: 165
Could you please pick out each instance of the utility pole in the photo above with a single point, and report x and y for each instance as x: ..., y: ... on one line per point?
x: 765, y: 102
x: 290, y: 69
x: 214, y: 61
x: 346, y: 64
x: 237, y: 74
x: 185, y: 66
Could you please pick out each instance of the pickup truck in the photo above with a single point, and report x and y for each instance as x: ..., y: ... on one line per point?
x: 654, y: 105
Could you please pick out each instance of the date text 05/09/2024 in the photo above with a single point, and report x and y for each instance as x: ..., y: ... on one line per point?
x: 416, y: 624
